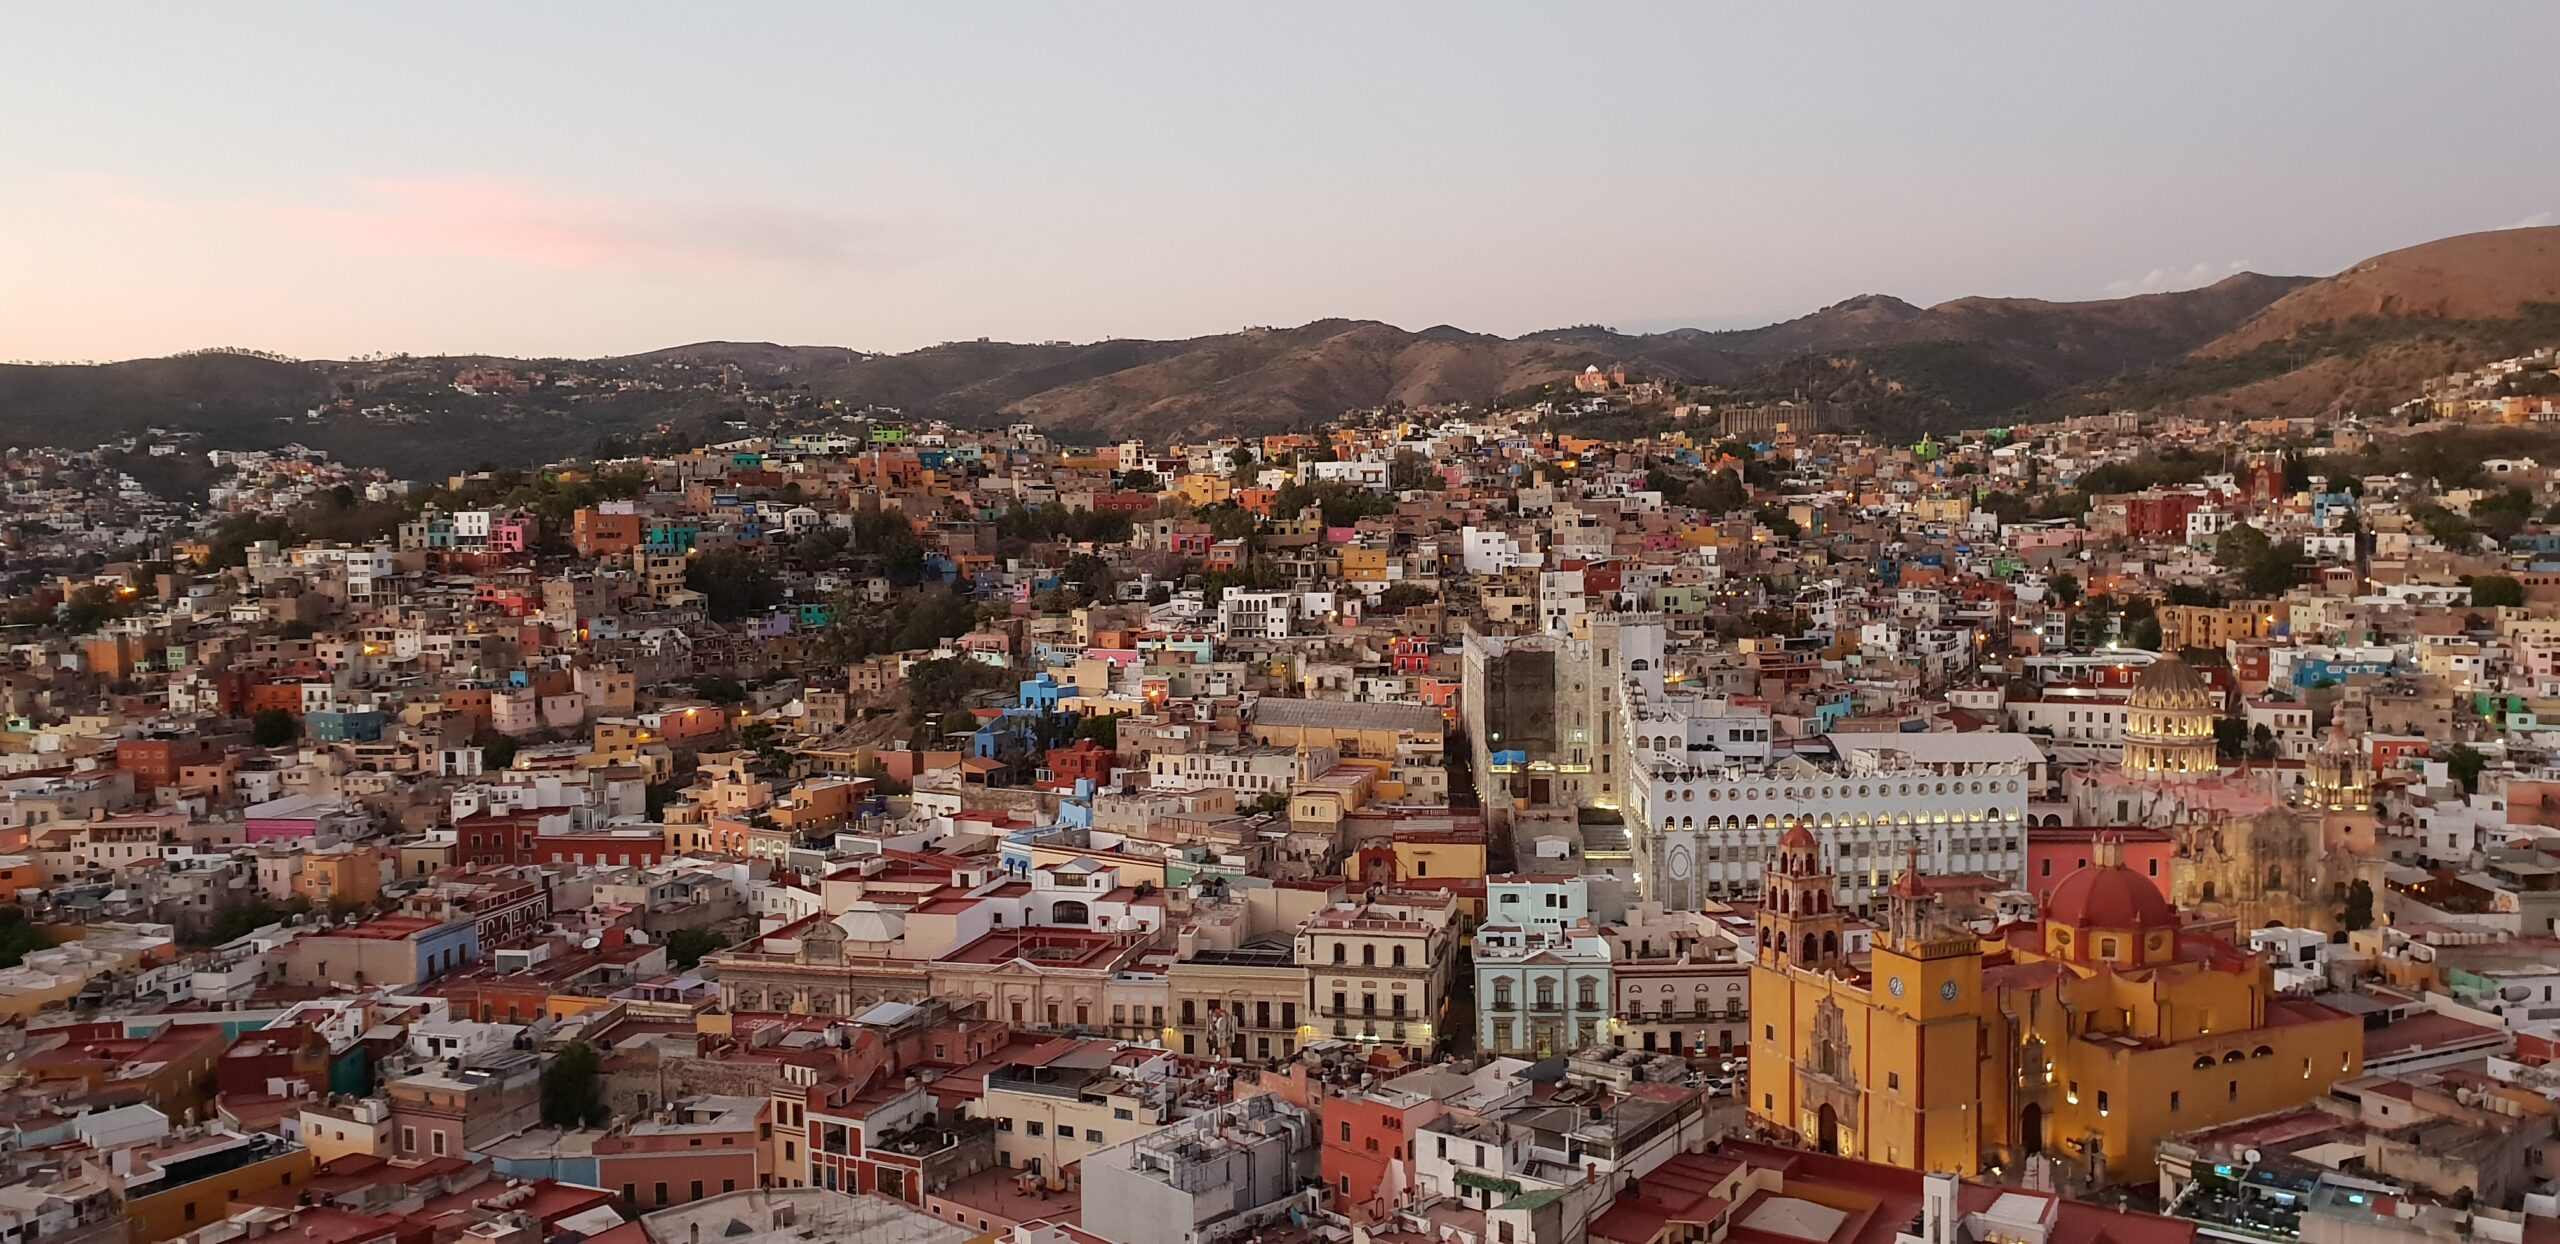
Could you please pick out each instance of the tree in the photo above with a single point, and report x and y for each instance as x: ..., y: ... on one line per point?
x: 90, y: 607
x: 1410, y: 470
x: 2262, y: 744
x: 1138, y: 481
x: 2358, y: 912
x: 938, y: 689
x: 273, y: 727
x: 2503, y: 514
x: 497, y: 751
x: 2145, y: 634
x: 2239, y: 547
x: 2465, y: 763
x: 236, y: 920
x: 573, y: 1089
x: 2490, y: 591
x: 686, y: 947
x: 1103, y: 729
x: 735, y: 585
x: 2448, y: 528
x: 2066, y: 589
x: 18, y: 937
x: 1088, y: 574
x: 2275, y: 571
x: 2230, y: 737
x: 1721, y: 492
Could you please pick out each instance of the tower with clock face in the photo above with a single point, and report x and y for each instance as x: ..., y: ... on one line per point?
x: 1926, y: 1032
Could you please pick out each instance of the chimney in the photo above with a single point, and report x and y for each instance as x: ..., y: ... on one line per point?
x: 1940, y: 1215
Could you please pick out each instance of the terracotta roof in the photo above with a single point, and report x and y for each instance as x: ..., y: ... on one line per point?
x: 2109, y: 896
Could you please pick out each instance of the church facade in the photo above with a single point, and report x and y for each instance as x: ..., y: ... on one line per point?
x: 2082, y: 1038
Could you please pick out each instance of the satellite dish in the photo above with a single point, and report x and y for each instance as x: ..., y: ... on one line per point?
x: 591, y: 943
x: 2250, y: 1156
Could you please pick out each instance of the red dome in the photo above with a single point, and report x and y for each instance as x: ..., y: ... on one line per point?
x: 2109, y: 896
x: 1799, y: 837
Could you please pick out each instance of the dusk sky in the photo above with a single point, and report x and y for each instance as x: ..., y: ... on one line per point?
x: 598, y: 179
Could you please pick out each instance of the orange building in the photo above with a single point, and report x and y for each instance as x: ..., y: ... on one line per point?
x: 2087, y: 1037
x: 352, y: 877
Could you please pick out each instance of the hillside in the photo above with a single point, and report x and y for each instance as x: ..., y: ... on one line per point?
x: 55, y: 403
x: 2367, y: 337
x: 2474, y: 277
x: 2246, y: 345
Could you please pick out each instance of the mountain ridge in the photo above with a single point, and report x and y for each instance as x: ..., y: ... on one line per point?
x: 2246, y: 344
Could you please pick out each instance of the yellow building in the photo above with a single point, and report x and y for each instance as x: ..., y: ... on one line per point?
x: 2086, y: 1037
x: 2212, y: 626
x: 348, y: 875
x: 1366, y: 565
x: 182, y: 1183
x: 335, y: 1126
x: 1423, y: 856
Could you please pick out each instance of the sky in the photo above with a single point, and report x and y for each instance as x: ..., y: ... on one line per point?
x: 591, y: 179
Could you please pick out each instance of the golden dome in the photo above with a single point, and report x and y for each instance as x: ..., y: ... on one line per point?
x: 2169, y: 685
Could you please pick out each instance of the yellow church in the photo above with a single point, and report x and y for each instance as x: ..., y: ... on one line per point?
x: 2085, y: 1037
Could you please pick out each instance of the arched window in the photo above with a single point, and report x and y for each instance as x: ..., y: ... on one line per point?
x: 1546, y: 993
x: 2263, y: 1051
x: 1338, y: 953
x: 1369, y: 956
x: 1399, y: 956
x: 2232, y: 1057
x: 2204, y: 1062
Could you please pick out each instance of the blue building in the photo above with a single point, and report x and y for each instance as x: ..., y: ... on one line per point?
x: 361, y: 725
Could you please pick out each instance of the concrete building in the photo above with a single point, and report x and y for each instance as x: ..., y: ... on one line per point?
x: 1209, y: 1177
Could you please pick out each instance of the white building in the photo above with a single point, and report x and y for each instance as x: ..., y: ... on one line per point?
x: 1258, y: 615
x: 1705, y: 830
x: 1542, y: 969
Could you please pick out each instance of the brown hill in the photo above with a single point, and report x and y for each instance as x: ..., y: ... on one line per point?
x: 2475, y: 277
x: 2367, y: 337
x: 1274, y: 377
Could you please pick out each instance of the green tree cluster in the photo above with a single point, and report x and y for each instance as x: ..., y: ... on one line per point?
x: 1020, y: 526
x: 686, y: 947
x: 2465, y: 763
x: 19, y: 937
x: 573, y: 1089
x: 734, y: 584
x: 273, y: 727
x: 2490, y: 591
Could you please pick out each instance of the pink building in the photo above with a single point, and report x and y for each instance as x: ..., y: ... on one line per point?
x: 517, y: 711
x: 290, y: 818
x: 699, y: 1148
x: 513, y: 533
